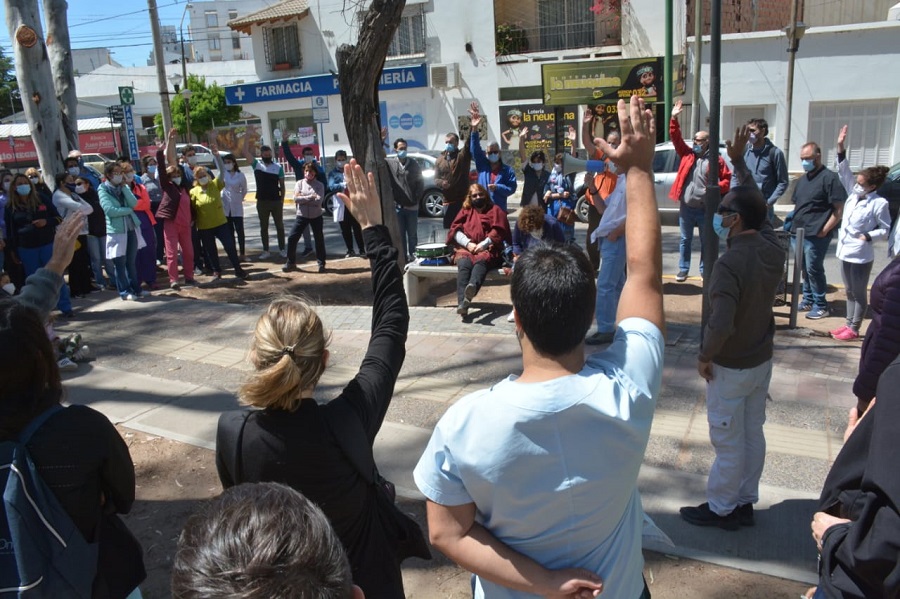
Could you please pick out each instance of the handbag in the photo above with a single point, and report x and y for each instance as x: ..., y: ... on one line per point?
x: 566, y: 215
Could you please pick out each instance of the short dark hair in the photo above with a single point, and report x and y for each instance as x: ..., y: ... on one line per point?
x: 28, y: 369
x: 538, y: 155
x: 60, y: 178
x: 264, y: 149
x: 759, y: 124
x: 399, y: 140
x: 748, y: 201
x: 188, y: 148
x: 70, y: 160
x: 554, y: 294
x: 340, y: 153
x: 308, y: 149
x: 260, y: 541
x: 815, y: 147
x: 455, y: 136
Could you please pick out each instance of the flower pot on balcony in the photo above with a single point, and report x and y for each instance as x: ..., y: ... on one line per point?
x: 282, y: 66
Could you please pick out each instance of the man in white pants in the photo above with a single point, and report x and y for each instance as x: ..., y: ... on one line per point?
x: 736, y: 352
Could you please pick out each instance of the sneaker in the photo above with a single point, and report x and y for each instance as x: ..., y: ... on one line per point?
x: 241, y: 274
x: 243, y: 258
x: 174, y: 286
x: 189, y: 282
x: 350, y: 254
x: 129, y: 297
x: 470, y: 291
x: 511, y: 317
x: 599, y: 338
x: 703, y: 516
x: 804, y: 307
x: 66, y: 365
x: 289, y: 267
x: 847, y: 334
x: 306, y: 252
x: 284, y: 253
x: 838, y: 331
x: 744, y: 514
x: 264, y: 256
x: 82, y: 354
x: 682, y: 276
x: 198, y: 271
x: 69, y: 313
x: 463, y: 308
x: 818, y: 313
x: 321, y: 268
x: 216, y: 275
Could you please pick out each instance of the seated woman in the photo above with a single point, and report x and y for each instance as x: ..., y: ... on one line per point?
x: 478, y: 233
x: 317, y: 448
x: 560, y: 200
x: 532, y: 228
x: 78, y: 453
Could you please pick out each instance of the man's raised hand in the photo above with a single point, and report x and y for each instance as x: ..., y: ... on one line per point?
x: 475, y: 115
x: 736, y: 147
x: 677, y: 108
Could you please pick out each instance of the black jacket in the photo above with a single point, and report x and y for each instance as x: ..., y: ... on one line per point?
x: 298, y: 448
x: 882, y: 342
x: 534, y: 184
x: 862, y: 559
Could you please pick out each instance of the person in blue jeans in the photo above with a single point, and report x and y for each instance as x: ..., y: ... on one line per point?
x: 610, y: 234
x: 819, y: 205
x: 122, y: 226
x: 408, y: 187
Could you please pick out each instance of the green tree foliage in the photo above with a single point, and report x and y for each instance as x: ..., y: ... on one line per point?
x: 207, y: 106
x: 8, y: 86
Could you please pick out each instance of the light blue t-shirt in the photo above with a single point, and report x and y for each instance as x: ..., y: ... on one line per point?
x: 552, y: 467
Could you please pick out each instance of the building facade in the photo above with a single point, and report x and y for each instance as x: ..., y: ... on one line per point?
x: 212, y: 39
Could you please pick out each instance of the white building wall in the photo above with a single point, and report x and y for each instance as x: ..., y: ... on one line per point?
x: 200, y: 33
x: 834, y: 64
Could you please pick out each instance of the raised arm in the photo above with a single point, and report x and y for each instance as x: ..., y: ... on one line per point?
x: 843, y: 165
x: 642, y: 294
x: 289, y: 155
x: 369, y: 393
x: 587, y: 133
x: 220, y: 164
x: 735, y: 148
x: 675, y: 131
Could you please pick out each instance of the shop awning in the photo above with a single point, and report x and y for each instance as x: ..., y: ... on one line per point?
x: 283, y: 11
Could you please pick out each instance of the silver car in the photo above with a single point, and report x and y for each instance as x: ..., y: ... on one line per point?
x: 432, y: 202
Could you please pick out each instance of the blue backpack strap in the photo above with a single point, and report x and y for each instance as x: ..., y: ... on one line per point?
x: 38, y: 422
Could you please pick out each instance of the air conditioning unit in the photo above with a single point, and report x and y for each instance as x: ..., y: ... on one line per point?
x: 444, y: 76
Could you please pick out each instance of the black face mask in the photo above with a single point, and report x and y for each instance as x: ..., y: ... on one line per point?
x: 267, y: 159
x: 479, y: 203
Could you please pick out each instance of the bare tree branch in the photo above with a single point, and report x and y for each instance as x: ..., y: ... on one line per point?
x: 60, y: 51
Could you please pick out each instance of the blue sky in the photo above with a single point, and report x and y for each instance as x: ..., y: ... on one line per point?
x: 123, y: 26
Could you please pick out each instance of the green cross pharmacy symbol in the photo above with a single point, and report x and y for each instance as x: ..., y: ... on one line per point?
x: 126, y: 96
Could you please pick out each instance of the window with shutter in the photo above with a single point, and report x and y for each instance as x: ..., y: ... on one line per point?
x: 282, y: 45
x: 870, y: 138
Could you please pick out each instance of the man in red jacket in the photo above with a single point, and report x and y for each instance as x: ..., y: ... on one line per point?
x: 690, y: 188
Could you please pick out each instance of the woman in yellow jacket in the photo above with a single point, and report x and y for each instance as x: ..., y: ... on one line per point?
x: 209, y: 216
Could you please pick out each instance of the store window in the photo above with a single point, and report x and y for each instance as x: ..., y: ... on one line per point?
x: 870, y: 138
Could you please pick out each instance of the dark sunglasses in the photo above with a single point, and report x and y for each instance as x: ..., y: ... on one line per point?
x: 725, y: 211
x: 493, y: 153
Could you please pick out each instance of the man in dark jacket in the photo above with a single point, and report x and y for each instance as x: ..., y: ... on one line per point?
x: 451, y: 174
x: 408, y: 186
x: 766, y: 163
x: 736, y: 351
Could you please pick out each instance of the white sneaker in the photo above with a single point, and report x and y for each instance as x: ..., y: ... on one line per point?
x: 284, y: 253
x: 66, y: 365
x: 82, y: 354
x: 129, y: 298
x: 511, y: 317
x: 264, y: 256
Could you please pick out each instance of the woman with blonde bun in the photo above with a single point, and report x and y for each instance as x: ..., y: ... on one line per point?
x: 314, y: 447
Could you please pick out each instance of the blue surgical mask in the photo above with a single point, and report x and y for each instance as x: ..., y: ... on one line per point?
x: 538, y: 166
x: 493, y: 156
x: 23, y: 190
x: 721, y: 231
x: 808, y: 165
x: 70, y: 186
x: 401, y: 154
x: 450, y: 148
x: 698, y: 149
x: 73, y: 170
x: 308, y: 159
x: 151, y: 169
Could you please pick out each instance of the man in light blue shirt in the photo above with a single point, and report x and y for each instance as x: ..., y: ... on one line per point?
x: 532, y: 484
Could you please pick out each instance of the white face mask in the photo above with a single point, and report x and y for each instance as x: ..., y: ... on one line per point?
x: 192, y: 160
x: 859, y: 191
x: 176, y: 180
x: 229, y: 166
x: 6, y: 186
x: 203, y: 180
x: 80, y: 189
x: 117, y: 179
x: 10, y: 288
x: 73, y: 170
x: 34, y: 180
x: 538, y: 166
x: 129, y: 177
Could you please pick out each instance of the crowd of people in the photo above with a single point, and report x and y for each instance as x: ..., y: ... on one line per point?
x: 305, y: 509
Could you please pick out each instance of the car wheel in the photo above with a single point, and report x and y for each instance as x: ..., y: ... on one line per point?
x: 328, y: 204
x: 582, y: 207
x: 433, y: 203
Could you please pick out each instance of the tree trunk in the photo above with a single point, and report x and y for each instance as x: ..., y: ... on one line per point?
x: 359, y: 71
x: 36, y: 84
x: 61, y: 67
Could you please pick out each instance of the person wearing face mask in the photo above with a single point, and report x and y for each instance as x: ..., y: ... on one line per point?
x: 6, y: 177
x: 43, y: 190
x: 269, y: 176
x: 233, y: 200
x: 600, y: 184
x: 210, y: 220
x: 122, y: 230
x: 766, y: 163
x: 498, y: 178
x: 736, y: 349
x: 150, y: 179
x: 146, y: 255
x: 535, y: 175
x: 451, y: 173
x: 409, y: 187
x: 689, y: 188
x: 175, y: 212
x: 866, y: 218
x: 75, y: 167
x: 66, y: 201
x: 818, y: 208
x: 308, y: 157
x: 30, y: 230
x: 350, y: 229
x: 96, y: 237
x: 559, y: 200
x: 308, y: 195
x: 477, y: 236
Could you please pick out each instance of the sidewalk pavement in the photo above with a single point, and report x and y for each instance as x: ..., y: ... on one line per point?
x: 169, y: 366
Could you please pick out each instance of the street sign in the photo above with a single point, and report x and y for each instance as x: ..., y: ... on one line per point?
x: 320, y: 109
x: 126, y: 96
x: 131, y: 133
x: 116, y: 113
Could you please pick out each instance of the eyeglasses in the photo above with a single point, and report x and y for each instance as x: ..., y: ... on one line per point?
x: 700, y: 141
x: 479, y: 196
x: 725, y: 210
x: 493, y: 153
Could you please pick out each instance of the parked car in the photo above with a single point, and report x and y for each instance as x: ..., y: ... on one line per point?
x: 665, y: 168
x: 97, y: 161
x: 432, y: 200
x: 204, y: 155
x: 890, y: 190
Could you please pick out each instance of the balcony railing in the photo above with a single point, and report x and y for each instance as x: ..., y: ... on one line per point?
x: 516, y: 39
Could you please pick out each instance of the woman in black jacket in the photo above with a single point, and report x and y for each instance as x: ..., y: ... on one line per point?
x: 96, y: 237
x: 314, y: 447
x: 77, y: 451
x: 536, y: 174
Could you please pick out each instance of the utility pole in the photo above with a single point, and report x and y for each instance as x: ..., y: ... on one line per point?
x: 159, y: 59
x: 698, y: 66
x: 186, y: 93
x: 667, y: 68
x: 710, y: 250
x: 793, y: 46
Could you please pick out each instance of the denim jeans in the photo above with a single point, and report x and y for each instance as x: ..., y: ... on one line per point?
x: 226, y: 237
x: 97, y: 252
x: 610, y: 281
x: 300, y: 225
x: 469, y: 273
x: 813, y: 270
x: 408, y: 222
x: 35, y: 258
x: 688, y: 218
x: 125, y: 269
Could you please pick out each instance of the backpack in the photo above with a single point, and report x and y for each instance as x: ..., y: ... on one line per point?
x: 42, y: 552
